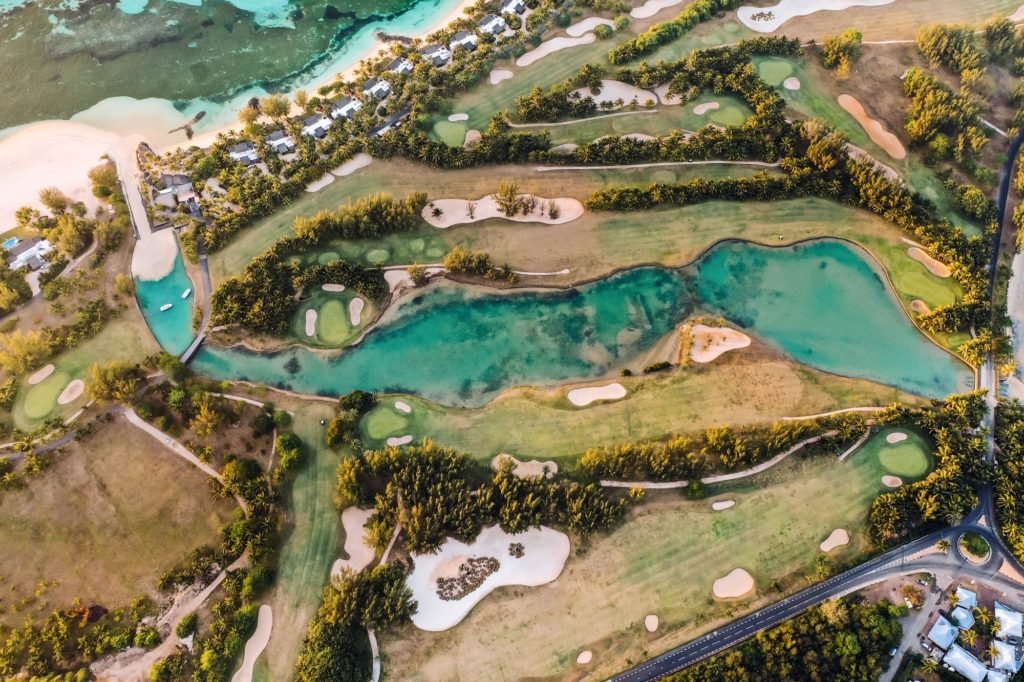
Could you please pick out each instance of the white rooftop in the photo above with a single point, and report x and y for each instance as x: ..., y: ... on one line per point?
x: 1010, y: 621
x: 942, y: 633
x: 963, y: 618
x: 965, y: 663
x: 997, y: 676
x: 967, y: 598
x: 1005, y: 656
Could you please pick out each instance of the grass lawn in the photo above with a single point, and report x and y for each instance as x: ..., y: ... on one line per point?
x: 662, y: 560
x: 334, y: 327
x: 111, y: 514
x: 750, y: 386
x: 909, y: 459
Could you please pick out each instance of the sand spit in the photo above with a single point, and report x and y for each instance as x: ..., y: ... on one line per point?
x: 581, y: 397
x: 256, y: 644
x: 722, y: 505
x: 41, y: 374
x: 528, y: 468
x: 702, y: 109
x: 791, y: 83
x: 768, y: 19
x: 652, y: 7
x: 892, y: 481
x: 311, y: 316
x: 545, y: 552
x: 360, y: 160
x: 734, y: 585
x: 553, y: 45
x: 837, y: 538
x: 588, y: 25
x: 403, y: 407
x: 456, y: 211
x: 920, y: 307
x: 585, y: 657
x: 355, y: 311
x: 318, y: 185
x: 937, y: 268
x: 896, y: 437
x: 612, y: 91
x: 71, y: 392
x: 874, y: 128
x: 360, y: 555
x: 499, y: 75
x: 651, y: 623
x: 711, y: 342
x: 154, y: 256
x: 398, y: 441
x: 334, y: 288
x: 454, y: 118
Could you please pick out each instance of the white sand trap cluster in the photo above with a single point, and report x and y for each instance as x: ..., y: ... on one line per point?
x: 545, y: 552
x: 702, y: 109
x: 836, y: 538
x: 400, y: 277
x: 355, y: 311
x: 360, y: 160
x: 652, y: 7
x: 553, y: 45
x: 768, y: 19
x: 722, y: 505
x: 711, y: 342
x: 318, y: 185
x: 612, y: 91
x: 454, y: 118
x: 791, y: 83
x: 256, y: 644
x: 498, y: 75
x: 334, y: 288
x: 360, y: 555
x: 525, y: 469
x: 734, y: 585
x: 651, y: 623
x: 874, y: 128
x: 71, y: 392
x: 920, y: 307
x: 41, y: 374
x: 892, y: 481
x: 398, y: 441
x: 403, y: 407
x: 581, y: 397
x: 588, y: 25
x: 311, y: 316
x: 896, y: 437
x: 585, y: 657
x: 936, y: 267
x: 456, y: 211
x: 669, y: 100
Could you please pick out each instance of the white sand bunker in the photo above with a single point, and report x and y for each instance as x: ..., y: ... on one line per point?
x: 736, y: 584
x: 71, y: 392
x: 472, y: 137
x: 837, y: 538
x: 585, y: 657
x: 334, y: 288
x: 920, y: 307
x: 896, y: 437
x: 458, y: 117
x: 256, y: 644
x: 702, y: 109
x: 400, y: 277
x: 587, y: 25
x: 311, y: 316
x: 711, y: 342
x: 456, y: 211
x: 937, y: 268
x: 768, y: 19
x: 651, y: 623
x: 651, y: 7
x: 565, y: 148
x: 791, y: 83
x: 398, y: 441
x: 662, y: 92
x: 553, y: 45
x: 1017, y: 16
x: 580, y: 397
x: 355, y: 311
x: 318, y: 185
x: 874, y: 128
x: 360, y: 160
x: 499, y: 75
x: 892, y: 481
x: 525, y: 469
x: 722, y: 505
x: 545, y: 551
x: 360, y: 555
x: 41, y: 374
x: 403, y: 406
x: 612, y: 91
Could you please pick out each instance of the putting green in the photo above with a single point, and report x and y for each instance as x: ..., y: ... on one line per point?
x: 327, y: 257
x: 774, y: 70
x: 383, y: 421
x: 909, y: 459
x: 377, y: 255
x: 41, y: 399
x: 332, y: 325
x: 452, y: 133
x: 416, y: 245
x: 727, y: 115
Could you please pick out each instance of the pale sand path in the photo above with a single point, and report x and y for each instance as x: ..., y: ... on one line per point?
x: 402, y: 406
x: 897, y: 437
x: 553, y: 45
x: 545, y: 553
x: 355, y: 311
x: 652, y: 7
x: 791, y: 83
x: 71, y: 392
x: 787, y: 9
x: 256, y: 644
x: 499, y: 75
x: 702, y: 109
x: 41, y: 374
x: 711, y: 342
x: 874, y: 128
x: 662, y: 92
x: 318, y: 185
x: 651, y: 623
x: 581, y: 397
x: 455, y: 211
x: 615, y: 90
x: 398, y: 441
x: 527, y: 468
x: 919, y: 307
x: 334, y: 288
x: 936, y: 267
x: 585, y: 657
x: 837, y: 538
x: 454, y: 118
x: 360, y: 160
x: 734, y: 585
x: 892, y: 481
x: 360, y: 555
x: 311, y: 316
x: 722, y: 505
x: 588, y: 25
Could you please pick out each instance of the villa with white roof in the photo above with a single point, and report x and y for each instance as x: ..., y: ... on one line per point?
x: 943, y: 633
x: 965, y: 663
x: 1010, y: 622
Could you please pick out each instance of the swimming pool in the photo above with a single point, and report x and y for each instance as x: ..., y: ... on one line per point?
x: 11, y: 242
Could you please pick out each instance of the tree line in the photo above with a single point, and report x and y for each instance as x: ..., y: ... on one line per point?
x: 664, y: 32
x: 1008, y: 479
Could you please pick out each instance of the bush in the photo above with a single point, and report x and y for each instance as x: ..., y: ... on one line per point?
x: 187, y: 625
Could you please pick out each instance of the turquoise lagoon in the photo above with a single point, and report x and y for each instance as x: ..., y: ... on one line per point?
x: 821, y: 303
x: 172, y: 328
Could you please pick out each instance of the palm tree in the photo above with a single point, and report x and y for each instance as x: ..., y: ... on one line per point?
x: 969, y: 637
x: 943, y: 545
x: 954, y: 599
x: 930, y: 665
x: 992, y: 652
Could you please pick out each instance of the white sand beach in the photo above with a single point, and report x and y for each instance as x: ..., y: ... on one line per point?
x: 587, y: 25
x: 612, y: 91
x: 71, y: 392
x: 318, y: 185
x: 355, y: 311
x: 360, y: 160
x: 456, y: 211
x: 937, y: 268
x: 735, y: 584
x: 722, y: 505
x: 836, y: 538
x: 360, y: 555
x: 398, y: 441
x: 154, y: 255
x: 875, y: 130
x: 652, y: 7
x: 581, y: 397
x: 651, y: 623
x: 768, y: 19
x: 896, y: 437
x: 256, y: 644
x: 702, y: 109
x: 499, y: 75
x: 553, y: 45
x: 711, y: 342
x: 41, y: 374
x: 791, y: 83
x: 545, y: 552
x: 311, y: 316
x: 527, y: 468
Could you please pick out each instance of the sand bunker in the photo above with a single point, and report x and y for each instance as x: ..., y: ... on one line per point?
x: 400, y: 277
x: 768, y: 19
x: 403, y: 407
x: 41, y: 374
x: 360, y: 555
x: 702, y: 109
x: 458, y: 117
x: 791, y: 83
x: 722, y: 505
x: 545, y: 551
x: 612, y: 91
x: 472, y: 137
x: 499, y: 75
x: 360, y: 160
x: 355, y: 311
x: 532, y: 467
x: 566, y: 148
x: 651, y: 7
x: 875, y: 130
x: 456, y: 211
x: 710, y: 342
x: 897, y: 437
x: 662, y: 92
x: 838, y: 538
x: 585, y: 657
x: 71, y: 392
x: 553, y: 45
x: 937, y: 268
x: 920, y: 307
x: 318, y: 185
x: 736, y: 584
x: 256, y: 644
x: 892, y: 481
x: 651, y: 623
x: 588, y: 25
x: 1017, y: 16
x: 311, y: 316
x: 334, y: 288
x: 581, y: 397
x: 398, y: 441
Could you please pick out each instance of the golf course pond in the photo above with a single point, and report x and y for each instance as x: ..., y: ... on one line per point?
x: 822, y: 303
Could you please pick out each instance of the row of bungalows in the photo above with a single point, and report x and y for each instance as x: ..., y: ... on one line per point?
x: 1008, y: 642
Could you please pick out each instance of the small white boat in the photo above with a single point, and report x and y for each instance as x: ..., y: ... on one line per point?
x: 185, y: 294
x: 166, y: 306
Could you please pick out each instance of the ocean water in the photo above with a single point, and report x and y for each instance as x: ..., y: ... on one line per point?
x: 172, y: 328
x: 821, y: 303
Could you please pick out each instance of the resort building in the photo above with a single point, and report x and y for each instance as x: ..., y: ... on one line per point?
x: 492, y: 25
x: 966, y: 598
x: 244, y: 152
x: 175, y: 190
x: 943, y: 633
x: 400, y: 65
x: 392, y: 122
x: 464, y: 39
x: 28, y: 254
x: 1006, y: 658
x: 316, y: 126
x: 964, y: 662
x: 377, y: 88
x: 963, y: 618
x: 438, y: 55
x: 513, y: 7
x: 280, y: 142
x: 1010, y: 622
x: 346, y: 107
x: 997, y: 676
